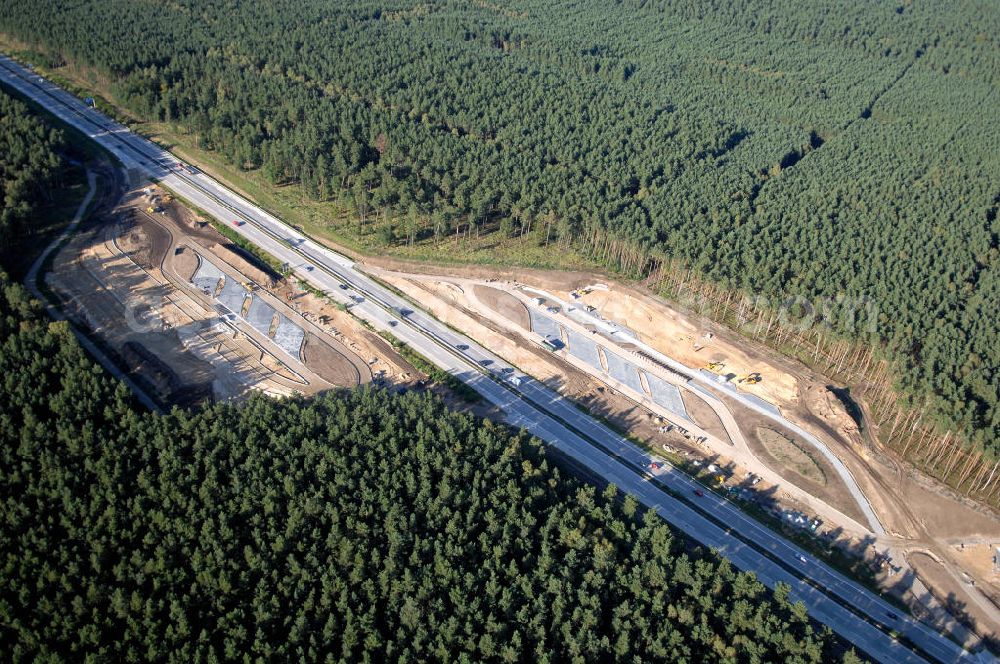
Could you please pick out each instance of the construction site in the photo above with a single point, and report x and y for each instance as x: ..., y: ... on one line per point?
x: 759, y: 427
x: 192, y: 318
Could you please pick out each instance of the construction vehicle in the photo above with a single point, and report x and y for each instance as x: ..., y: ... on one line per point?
x: 750, y: 379
x: 715, y: 366
x: 149, y: 209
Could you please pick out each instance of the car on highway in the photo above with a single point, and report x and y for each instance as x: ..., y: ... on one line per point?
x: 892, y: 615
x: 309, y: 268
x: 802, y: 559
x: 462, y: 347
x: 238, y: 223
x: 699, y: 492
x: 654, y: 466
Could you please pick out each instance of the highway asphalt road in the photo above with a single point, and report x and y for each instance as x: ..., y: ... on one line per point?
x: 858, y: 615
x: 624, y: 336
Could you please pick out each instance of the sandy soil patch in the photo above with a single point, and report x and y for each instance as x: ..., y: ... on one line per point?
x: 504, y: 304
x: 165, y: 334
x: 945, y: 516
x: 185, y: 264
x: 953, y: 594
x: 704, y: 416
x: 450, y: 306
x: 823, y: 403
x: 331, y: 365
x: 383, y: 364
x: 677, y: 336
x: 978, y: 560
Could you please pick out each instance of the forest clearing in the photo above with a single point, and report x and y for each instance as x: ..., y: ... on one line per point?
x: 919, y: 515
x: 128, y: 280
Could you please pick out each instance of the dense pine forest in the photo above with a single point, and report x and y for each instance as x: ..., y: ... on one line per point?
x: 359, y: 526
x: 30, y: 166
x: 841, y: 151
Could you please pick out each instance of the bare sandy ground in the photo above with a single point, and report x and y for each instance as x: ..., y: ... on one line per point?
x: 962, y: 599
x: 504, y: 304
x: 678, y: 336
x: 126, y: 277
x: 915, y: 510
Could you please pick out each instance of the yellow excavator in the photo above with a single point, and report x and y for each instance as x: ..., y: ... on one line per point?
x: 750, y: 379
x: 714, y: 366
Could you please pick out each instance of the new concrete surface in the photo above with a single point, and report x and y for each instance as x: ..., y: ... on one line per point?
x: 542, y: 325
x: 623, y: 371
x: 260, y: 316
x: 232, y: 296
x: 289, y: 336
x: 207, y: 276
x: 667, y: 395
x: 583, y: 348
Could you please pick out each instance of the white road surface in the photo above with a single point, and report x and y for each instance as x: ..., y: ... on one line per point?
x: 857, y: 614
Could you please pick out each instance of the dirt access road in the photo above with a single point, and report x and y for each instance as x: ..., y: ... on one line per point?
x: 125, y: 278
x: 914, y: 510
x: 468, y: 305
